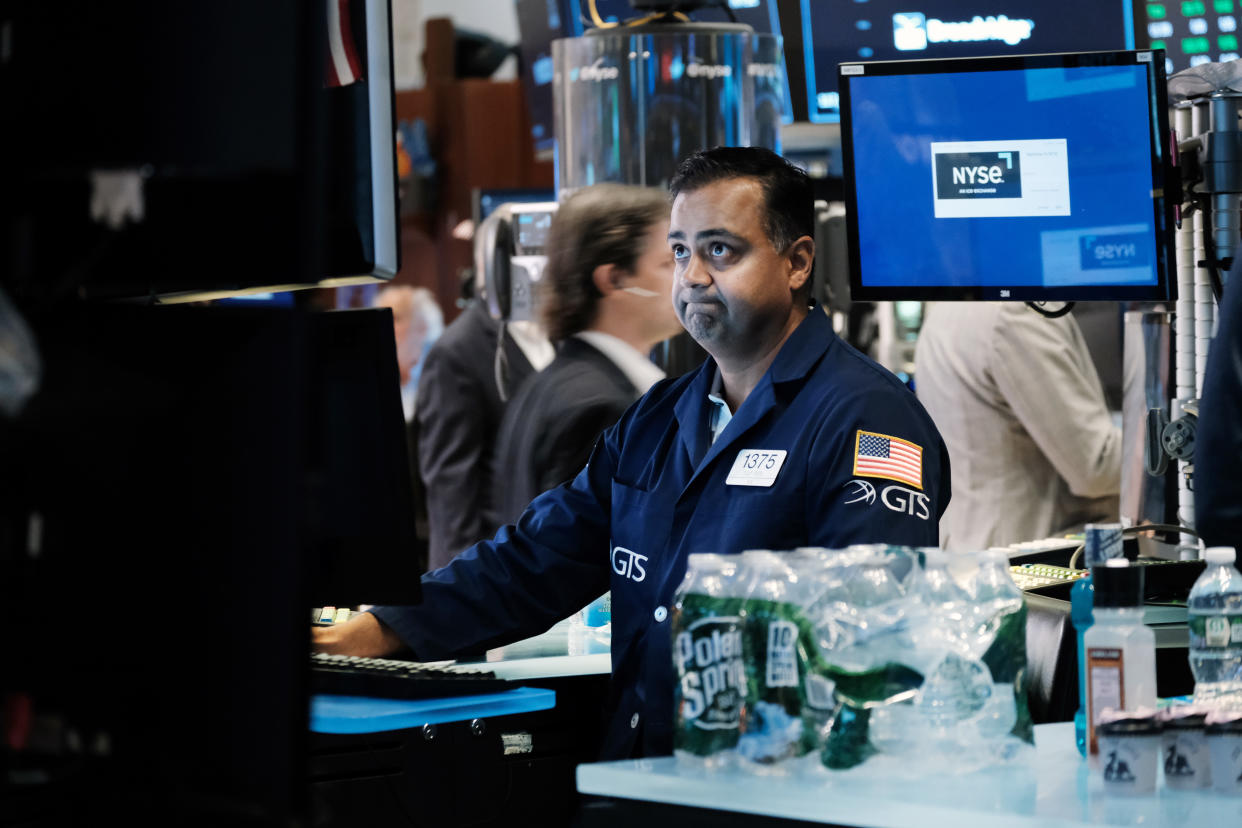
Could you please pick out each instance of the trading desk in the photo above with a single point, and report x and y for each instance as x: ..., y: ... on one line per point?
x: 1056, y: 788
x: 492, y: 759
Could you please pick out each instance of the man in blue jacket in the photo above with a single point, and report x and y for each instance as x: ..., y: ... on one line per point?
x: 786, y: 437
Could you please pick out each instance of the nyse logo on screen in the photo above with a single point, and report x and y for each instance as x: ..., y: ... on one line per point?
x: 1113, y: 251
x: 978, y: 174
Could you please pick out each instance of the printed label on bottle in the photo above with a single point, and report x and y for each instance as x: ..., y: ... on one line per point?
x: 1105, y: 688
x: 1214, y: 630
x: 819, y: 692
x: 782, y: 666
x: 713, y: 675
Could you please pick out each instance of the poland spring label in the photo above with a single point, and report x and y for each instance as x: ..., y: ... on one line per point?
x: 711, y: 675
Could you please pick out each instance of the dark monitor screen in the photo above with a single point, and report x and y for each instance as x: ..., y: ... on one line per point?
x: 539, y: 23
x: 485, y: 201
x: 207, y: 171
x: 201, y: 476
x: 1038, y: 177
x: 531, y: 228
x: 836, y: 31
x: 1190, y: 31
x: 361, y: 168
x: 360, y: 544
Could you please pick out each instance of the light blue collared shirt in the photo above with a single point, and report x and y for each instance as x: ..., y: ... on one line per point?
x: 720, y: 415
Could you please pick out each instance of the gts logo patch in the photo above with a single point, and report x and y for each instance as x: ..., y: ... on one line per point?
x: 978, y: 174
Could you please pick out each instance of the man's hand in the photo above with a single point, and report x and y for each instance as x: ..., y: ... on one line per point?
x: 362, y: 635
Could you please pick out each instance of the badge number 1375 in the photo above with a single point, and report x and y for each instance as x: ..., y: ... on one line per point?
x: 756, y: 467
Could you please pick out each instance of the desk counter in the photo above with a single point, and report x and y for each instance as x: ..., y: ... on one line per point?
x: 1055, y: 788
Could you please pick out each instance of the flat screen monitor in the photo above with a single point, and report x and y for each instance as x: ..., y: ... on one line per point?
x: 155, y: 166
x: 837, y: 31
x: 208, y: 475
x: 361, y: 164
x: 1033, y: 178
x: 487, y: 200
x: 1190, y: 31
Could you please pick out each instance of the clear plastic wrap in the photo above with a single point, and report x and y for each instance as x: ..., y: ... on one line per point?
x: 911, y: 662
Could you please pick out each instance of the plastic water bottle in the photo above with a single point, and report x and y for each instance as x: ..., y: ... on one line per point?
x: 1214, y: 615
x: 708, y: 662
x: 994, y: 587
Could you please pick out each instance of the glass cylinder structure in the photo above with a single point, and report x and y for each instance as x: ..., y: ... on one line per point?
x: 630, y: 102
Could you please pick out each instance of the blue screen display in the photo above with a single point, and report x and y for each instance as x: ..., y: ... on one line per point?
x: 837, y: 31
x: 1036, y: 177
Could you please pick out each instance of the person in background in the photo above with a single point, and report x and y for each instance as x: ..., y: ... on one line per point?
x: 416, y: 323
x: 461, y: 400
x: 1035, y: 450
x: 786, y: 437
x: 604, y: 299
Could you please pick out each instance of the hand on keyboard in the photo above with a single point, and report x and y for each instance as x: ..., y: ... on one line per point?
x: 362, y: 635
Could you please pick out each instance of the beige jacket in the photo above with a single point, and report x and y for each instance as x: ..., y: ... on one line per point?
x: 1032, y: 447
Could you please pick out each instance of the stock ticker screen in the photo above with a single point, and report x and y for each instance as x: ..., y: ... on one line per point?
x: 1190, y: 31
x: 839, y: 31
x: 1047, y: 191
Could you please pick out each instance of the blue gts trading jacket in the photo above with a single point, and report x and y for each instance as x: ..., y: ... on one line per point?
x: 829, y: 449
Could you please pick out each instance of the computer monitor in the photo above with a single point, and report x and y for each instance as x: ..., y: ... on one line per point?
x: 838, y: 31
x: 361, y: 158
x: 1190, y: 31
x: 1033, y: 178
x: 360, y: 543
x: 487, y: 200
x: 175, y: 151
x: 187, y: 483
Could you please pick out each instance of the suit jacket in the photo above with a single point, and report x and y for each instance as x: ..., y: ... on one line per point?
x: 552, y: 424
x: 1020, y: 406
x: 458, y: 417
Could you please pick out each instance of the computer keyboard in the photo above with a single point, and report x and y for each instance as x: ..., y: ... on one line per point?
x: 1030, y: 576
x: 387, y: 678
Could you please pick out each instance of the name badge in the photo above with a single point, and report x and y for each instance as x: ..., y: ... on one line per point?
x: 756, y: 467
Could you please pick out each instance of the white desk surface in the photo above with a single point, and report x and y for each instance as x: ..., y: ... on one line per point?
x: 549, y: 656
x: 1055, y: 788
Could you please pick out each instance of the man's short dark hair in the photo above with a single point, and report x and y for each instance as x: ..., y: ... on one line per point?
x: 789, y: 199
x: 597, y: 225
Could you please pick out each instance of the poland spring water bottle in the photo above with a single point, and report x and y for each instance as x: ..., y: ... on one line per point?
x: 1214, y: 611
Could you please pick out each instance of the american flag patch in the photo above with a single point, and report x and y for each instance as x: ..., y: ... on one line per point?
x: 879, y: 455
